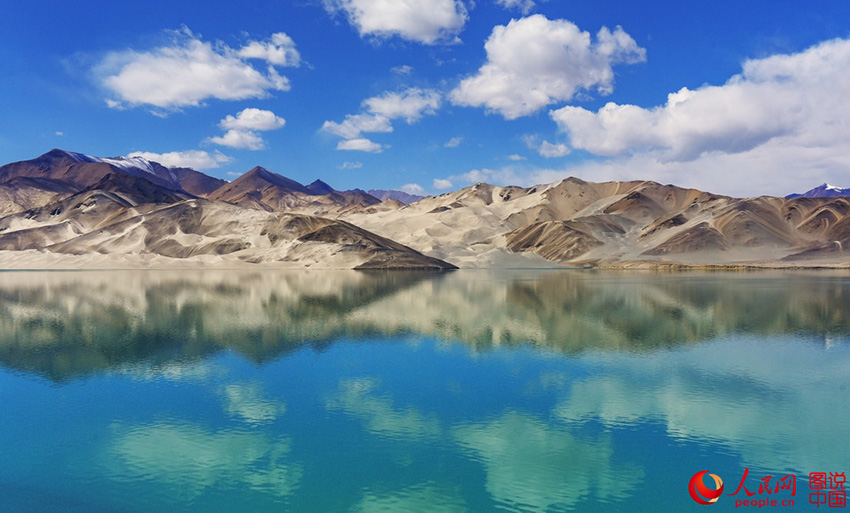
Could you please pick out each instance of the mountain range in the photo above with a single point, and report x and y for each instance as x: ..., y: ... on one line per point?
x: 70, y: 210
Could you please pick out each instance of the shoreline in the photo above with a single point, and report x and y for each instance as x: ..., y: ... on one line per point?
x: 36, y: 260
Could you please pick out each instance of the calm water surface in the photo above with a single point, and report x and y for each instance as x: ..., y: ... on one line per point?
x: 414, y: 392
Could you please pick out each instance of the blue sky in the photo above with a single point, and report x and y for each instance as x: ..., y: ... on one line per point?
x: 740, y: 98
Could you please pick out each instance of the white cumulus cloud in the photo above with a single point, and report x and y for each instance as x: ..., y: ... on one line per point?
x: 413, y: 188
x: 360, y: 144
x: 410, y: 104
x: 188, y: 71
x: 194, y: 159
x: 504, y: 176
x: 355, y: 124
x: 777, y: 127
x: 534, y: 62
x: 252, y: 119
x: 442, y: 184
x: 280, y: 50
x: 240, y: 139
x: 423, y: 21
x: 351, y: 165
x: 550, y: 150
x: 523, y: 5
x: 241, y: 130
x: 454, y: 142
x: 545, y: 148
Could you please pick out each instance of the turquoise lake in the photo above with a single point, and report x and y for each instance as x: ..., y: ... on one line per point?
x: 478, y: 391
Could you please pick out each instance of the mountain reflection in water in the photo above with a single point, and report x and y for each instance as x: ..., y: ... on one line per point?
x: 64, y: 325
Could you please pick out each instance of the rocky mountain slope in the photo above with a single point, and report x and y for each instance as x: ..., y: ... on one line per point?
x: 130, y: 213
x: 65, y: 203
x: 80, y: 171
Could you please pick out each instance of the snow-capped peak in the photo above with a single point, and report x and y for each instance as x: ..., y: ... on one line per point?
x: 824, y: 190
x: 126, y: 163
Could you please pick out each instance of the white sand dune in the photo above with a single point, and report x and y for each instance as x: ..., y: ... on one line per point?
x: 621, y: 224
x: 200, y: 233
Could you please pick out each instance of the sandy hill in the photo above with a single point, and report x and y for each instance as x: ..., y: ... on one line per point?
x: 220, y: 233
x: 578, y: 223
x: 199, y: 227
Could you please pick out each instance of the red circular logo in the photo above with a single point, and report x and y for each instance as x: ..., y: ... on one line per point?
x: 703, y: 494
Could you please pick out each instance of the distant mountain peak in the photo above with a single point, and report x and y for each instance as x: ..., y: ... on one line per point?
x: 824, y: 190
x: 261, y: 172
x: 57, y: 155
x: 258, y: 171
x: 79, y: 157
x: 57, y: 152
x: 258, y: 178
x: 399, y: 196
x: 320, y: 188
